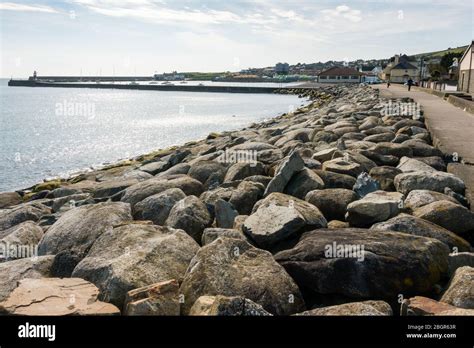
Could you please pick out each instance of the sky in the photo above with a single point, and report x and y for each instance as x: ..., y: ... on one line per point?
x: 141, y: 37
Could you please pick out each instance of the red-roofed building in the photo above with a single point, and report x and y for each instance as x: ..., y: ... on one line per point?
x: 338, y: 74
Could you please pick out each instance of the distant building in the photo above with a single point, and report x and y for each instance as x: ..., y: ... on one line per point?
x: 282, y: 68
x: 399, y: 70
x: 173, y: 76
x: 338, y: 74
x: 466, y: 71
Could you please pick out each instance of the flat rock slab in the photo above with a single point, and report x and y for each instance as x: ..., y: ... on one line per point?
x: 12, y: 272
x: 420, y: 305
x: 362, y: 263
x: 293, y: 164
x: 54, y: 297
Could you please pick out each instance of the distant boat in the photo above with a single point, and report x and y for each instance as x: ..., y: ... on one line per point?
x: 183, y: 82
x: 166, y: 83
x: 153, y: 83
x: 200, y: 84
x: 133, y: 83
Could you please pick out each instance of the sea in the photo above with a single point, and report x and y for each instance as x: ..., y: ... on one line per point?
x: 53, y: 132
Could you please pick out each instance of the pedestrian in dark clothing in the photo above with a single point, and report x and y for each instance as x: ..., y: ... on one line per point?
x: 388, y: 84
x: 409, y: 83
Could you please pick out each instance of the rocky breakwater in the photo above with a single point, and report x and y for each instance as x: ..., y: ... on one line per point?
x: 342, y: 207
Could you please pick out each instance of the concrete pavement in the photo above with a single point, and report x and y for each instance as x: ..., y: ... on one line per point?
x: 451, y: 128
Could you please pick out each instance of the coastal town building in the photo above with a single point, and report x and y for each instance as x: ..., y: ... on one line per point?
x: 400, y: 70
x: 466, y: 71
x: 340, y: 75
x: 282, y: 68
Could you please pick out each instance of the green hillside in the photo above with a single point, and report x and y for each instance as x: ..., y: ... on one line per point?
x: 440, y: 53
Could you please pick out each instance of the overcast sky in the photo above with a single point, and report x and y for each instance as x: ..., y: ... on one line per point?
x: 141, y: 37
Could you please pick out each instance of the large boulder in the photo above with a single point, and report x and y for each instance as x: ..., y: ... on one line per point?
x: 311, y: 214
x: 269, y: 225
x: 191, y: 215
x: 144, y: 189
x: 374, y: 207
x: 302, y: 182
x: 343, y: 166
x: 56, y: 296
x: 360, y: 263
x: 393, y: 149
x: 293, y: 164
x: 449, y: 215
x: 135, y: 255
x: 365, y: 308
x: 385, y: 176
x: 242, y: 170
x: 31, y: 211
x: 227, y: 306
x: 211, y: 234
x: 157, y: 207
x: 77, y: 229
x: 419, y: 198
x: 336, y: 180
x: 209, y: 173
x: 413, y: 225
x: 110, y: 187
x: 460, y: 292
x: 332, y: 202
x: 407, y: 165
x: 20, y: 241
x: 232, y: 267
x: 9, y: 199
x: 225, y: 214
x: 13, y: 271
x: 422, y: 180
x: 245, y: 196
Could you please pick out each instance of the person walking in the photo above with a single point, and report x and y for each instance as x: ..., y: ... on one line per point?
x: 409, y: 83
x: 388, y: 84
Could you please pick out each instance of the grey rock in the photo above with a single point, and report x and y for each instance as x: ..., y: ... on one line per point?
x: 135, y: 255
x: 302, y: 182
x: 422, y: 180
x: 460, y: 292
x: 32, y: 211
x: 77, y: 229
x: 211, y: 234
x: 413, y: 225
x: 333, y: 262
x: 232, y: 267
x: 452, y: 216
x: 191, y: 215
x: 376, y: 206
x: 157, y: 207
x: 365, y: 308
x: 293, y: 164
x: 241, y: 170
x: 227, y: 306
x: 225, y: 214
x: 332, y: 202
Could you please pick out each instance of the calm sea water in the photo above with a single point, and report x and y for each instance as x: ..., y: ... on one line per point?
x: 48, y: 132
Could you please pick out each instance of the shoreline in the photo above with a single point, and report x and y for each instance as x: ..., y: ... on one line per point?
x: 94, y: 166
x: 340, y: 206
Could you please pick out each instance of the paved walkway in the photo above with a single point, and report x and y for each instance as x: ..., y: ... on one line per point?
x: 451, y: 128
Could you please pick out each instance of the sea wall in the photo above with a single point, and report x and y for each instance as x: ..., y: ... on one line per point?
x: 342, y: 207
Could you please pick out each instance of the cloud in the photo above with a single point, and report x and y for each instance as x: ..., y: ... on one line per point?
x: 342, y: 12
x: 11, y: 6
